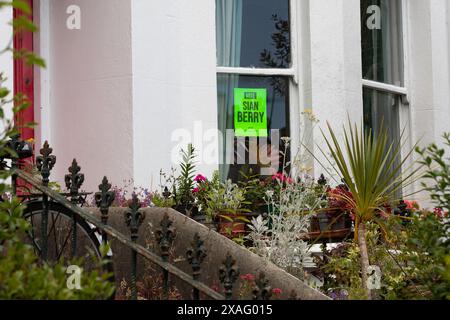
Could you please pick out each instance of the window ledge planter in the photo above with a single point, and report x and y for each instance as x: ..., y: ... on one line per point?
x: 231, y: 225
x: 330, y: 224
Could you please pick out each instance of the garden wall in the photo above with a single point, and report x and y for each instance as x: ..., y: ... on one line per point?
x: 216, y: 246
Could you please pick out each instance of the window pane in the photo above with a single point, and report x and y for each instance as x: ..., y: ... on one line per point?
x: 277, y: 104
x: 383, y: 108
x: 382, y: 45
x: 253, y: 33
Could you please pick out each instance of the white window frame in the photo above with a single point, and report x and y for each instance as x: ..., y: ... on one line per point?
x: 401, y: 92
x: 292, y: 73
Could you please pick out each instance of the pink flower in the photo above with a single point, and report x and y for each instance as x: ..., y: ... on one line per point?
x: 199, y: 178
x: 215, y: 287
x: 196, y: 190
x: 248, y: 277
x: 440, y: 213
x: 277, y: 291
x: 281, y: 177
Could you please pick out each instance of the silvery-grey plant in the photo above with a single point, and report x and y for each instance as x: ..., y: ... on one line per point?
x: 223, y: 197
x: 278, y: 237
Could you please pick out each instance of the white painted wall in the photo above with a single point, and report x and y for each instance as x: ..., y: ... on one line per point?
x: 174, y: 81
x: 6, y: 61
x: 428, y: 69
x: 440, y: 41
x: 140, y: 70
x: 91, y: 86
x: 336, y: 70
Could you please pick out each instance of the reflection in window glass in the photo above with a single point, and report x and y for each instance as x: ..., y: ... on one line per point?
x: 277, y: 119
x: 382, y: 108
x: 381, y: 36
x: 253, y: 33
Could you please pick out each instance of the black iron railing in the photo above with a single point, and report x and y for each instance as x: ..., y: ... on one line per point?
x: 228, y: 273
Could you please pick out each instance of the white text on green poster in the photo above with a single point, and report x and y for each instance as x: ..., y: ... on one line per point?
x: 250, y: 112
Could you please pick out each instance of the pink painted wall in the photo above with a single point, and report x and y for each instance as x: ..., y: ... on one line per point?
x: 91, y: 90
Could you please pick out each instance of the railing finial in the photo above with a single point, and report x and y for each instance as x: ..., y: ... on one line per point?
x: 104, y: 198
x: 228, y: 274
x: 74, y: 180
x: 134, y: 217
x: 45, y: 163
x: 262, y: 290
x: 165, y: 236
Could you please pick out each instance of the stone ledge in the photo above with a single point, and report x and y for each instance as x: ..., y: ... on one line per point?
x: 217, y: 247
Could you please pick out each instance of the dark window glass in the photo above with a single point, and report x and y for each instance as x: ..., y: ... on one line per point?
x: 253, y: 33
x: 382, y: 108
x: 277, y: 119
x: 381, y: 36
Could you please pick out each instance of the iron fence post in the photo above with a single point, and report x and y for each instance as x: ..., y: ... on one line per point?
x: 262, y: 289
x: 45, y: 163
x: 104, y: 199
x: 195, y: 256
x: 165, y: 237
x: 134, y: 219
x: 74, y: 180
x: 228, y: 274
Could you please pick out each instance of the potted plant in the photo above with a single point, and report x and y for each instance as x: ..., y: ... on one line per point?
x: 337, y: 215
x: 177, y: 190
x: 255, y: 187
x: 223, y: 201
x: 367, y: 162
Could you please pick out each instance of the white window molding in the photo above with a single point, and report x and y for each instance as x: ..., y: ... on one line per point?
x: 290, y: 72
x: 379, y: 86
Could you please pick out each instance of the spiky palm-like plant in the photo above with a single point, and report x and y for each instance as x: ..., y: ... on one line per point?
x: 369, y: 165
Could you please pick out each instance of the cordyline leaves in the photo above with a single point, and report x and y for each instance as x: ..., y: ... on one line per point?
x: 369, y: 166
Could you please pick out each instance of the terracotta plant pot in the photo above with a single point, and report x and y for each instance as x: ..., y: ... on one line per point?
x: 230, y: 225
x: 330, y: 221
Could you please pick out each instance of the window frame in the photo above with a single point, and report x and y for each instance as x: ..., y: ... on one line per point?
x: 402, y: 93
x: 292, y: 73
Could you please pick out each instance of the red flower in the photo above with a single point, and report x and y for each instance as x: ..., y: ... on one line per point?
x: 196, y: 190
x: 412, y: 205
x: 248, y: 277
x: 340, y: 198
x: 215, y: 287
x: 277, y: 291
x: 281, y: 177
x: 440, y: 213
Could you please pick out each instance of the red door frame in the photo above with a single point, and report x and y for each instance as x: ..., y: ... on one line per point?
x: 24, y: 77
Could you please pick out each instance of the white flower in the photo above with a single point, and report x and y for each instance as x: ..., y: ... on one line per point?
x: 269, y: 194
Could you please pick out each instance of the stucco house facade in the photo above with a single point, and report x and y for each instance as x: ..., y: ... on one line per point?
x: 129, y: 82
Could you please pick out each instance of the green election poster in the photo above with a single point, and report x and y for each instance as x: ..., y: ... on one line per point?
x: 250, y: 112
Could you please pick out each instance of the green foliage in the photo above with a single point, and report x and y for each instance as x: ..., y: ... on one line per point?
x: 255, y: 188
x: 185, y: 180
x: 429, y: 240
x: 412, y: 261
x: 161, y: 202
x: 22, y: 276
x: 438, y: 171
x: 223, y: 198
x: 367, y: 163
